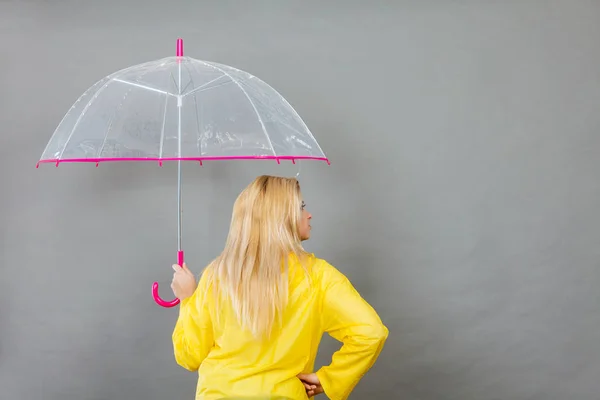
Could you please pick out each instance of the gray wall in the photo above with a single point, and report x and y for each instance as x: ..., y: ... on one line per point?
x: 480, y: 119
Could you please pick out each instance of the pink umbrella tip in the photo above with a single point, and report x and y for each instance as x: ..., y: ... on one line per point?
x: 179, y: 47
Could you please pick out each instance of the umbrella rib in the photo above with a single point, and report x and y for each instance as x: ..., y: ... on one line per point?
x: 143, y: 87
x: 203, y: 86
x: 303, y: 123
x: 110, y: 123
x: 108, y: 128
x: 251, y: 102
x: 199, y: 139
x: 89, y: 103
x: 162, y: 131
x: 285, y: 123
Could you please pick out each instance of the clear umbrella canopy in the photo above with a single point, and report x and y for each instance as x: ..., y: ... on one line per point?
x: 180, y: 108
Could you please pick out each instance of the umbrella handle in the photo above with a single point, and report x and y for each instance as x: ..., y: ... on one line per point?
x: 155, y: 294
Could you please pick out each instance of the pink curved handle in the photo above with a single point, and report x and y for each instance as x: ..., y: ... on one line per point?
x: 155, y: 294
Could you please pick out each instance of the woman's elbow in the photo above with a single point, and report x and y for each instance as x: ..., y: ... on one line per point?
x: 186, y: 362
x: 375, y: 333
x: 380, y: 333
x: 183, y: 357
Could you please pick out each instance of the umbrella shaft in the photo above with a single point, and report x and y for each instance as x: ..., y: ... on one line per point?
x: 179, y: 162
x: 179, y: 205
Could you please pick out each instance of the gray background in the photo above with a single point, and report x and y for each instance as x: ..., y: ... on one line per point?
x: 462, y: 199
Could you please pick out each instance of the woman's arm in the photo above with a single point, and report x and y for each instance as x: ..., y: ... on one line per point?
x: 347, y: 317
x: 193, y: 333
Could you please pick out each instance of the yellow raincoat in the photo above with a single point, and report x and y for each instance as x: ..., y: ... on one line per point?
x: 231, y: 364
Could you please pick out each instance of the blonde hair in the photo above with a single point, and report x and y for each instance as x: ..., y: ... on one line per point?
x: 252, y: 270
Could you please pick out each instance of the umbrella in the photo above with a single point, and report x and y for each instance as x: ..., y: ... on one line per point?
x: 180, y: 109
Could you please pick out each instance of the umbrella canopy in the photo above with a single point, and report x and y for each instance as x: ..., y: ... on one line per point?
x: 180, y: 108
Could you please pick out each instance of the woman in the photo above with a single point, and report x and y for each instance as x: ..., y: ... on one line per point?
x: 252, y: 325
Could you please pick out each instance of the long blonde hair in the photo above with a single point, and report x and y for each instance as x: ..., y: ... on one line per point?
x: 252, y: 270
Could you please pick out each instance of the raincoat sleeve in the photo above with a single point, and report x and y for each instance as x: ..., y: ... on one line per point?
x: 193, y: 333
x: 348, y: 318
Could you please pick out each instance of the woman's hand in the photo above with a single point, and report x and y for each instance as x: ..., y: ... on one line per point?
x: 311, y: 384
x: 184, y: 282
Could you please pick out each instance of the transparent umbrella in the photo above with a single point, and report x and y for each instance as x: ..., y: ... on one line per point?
x: 180, y: 109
